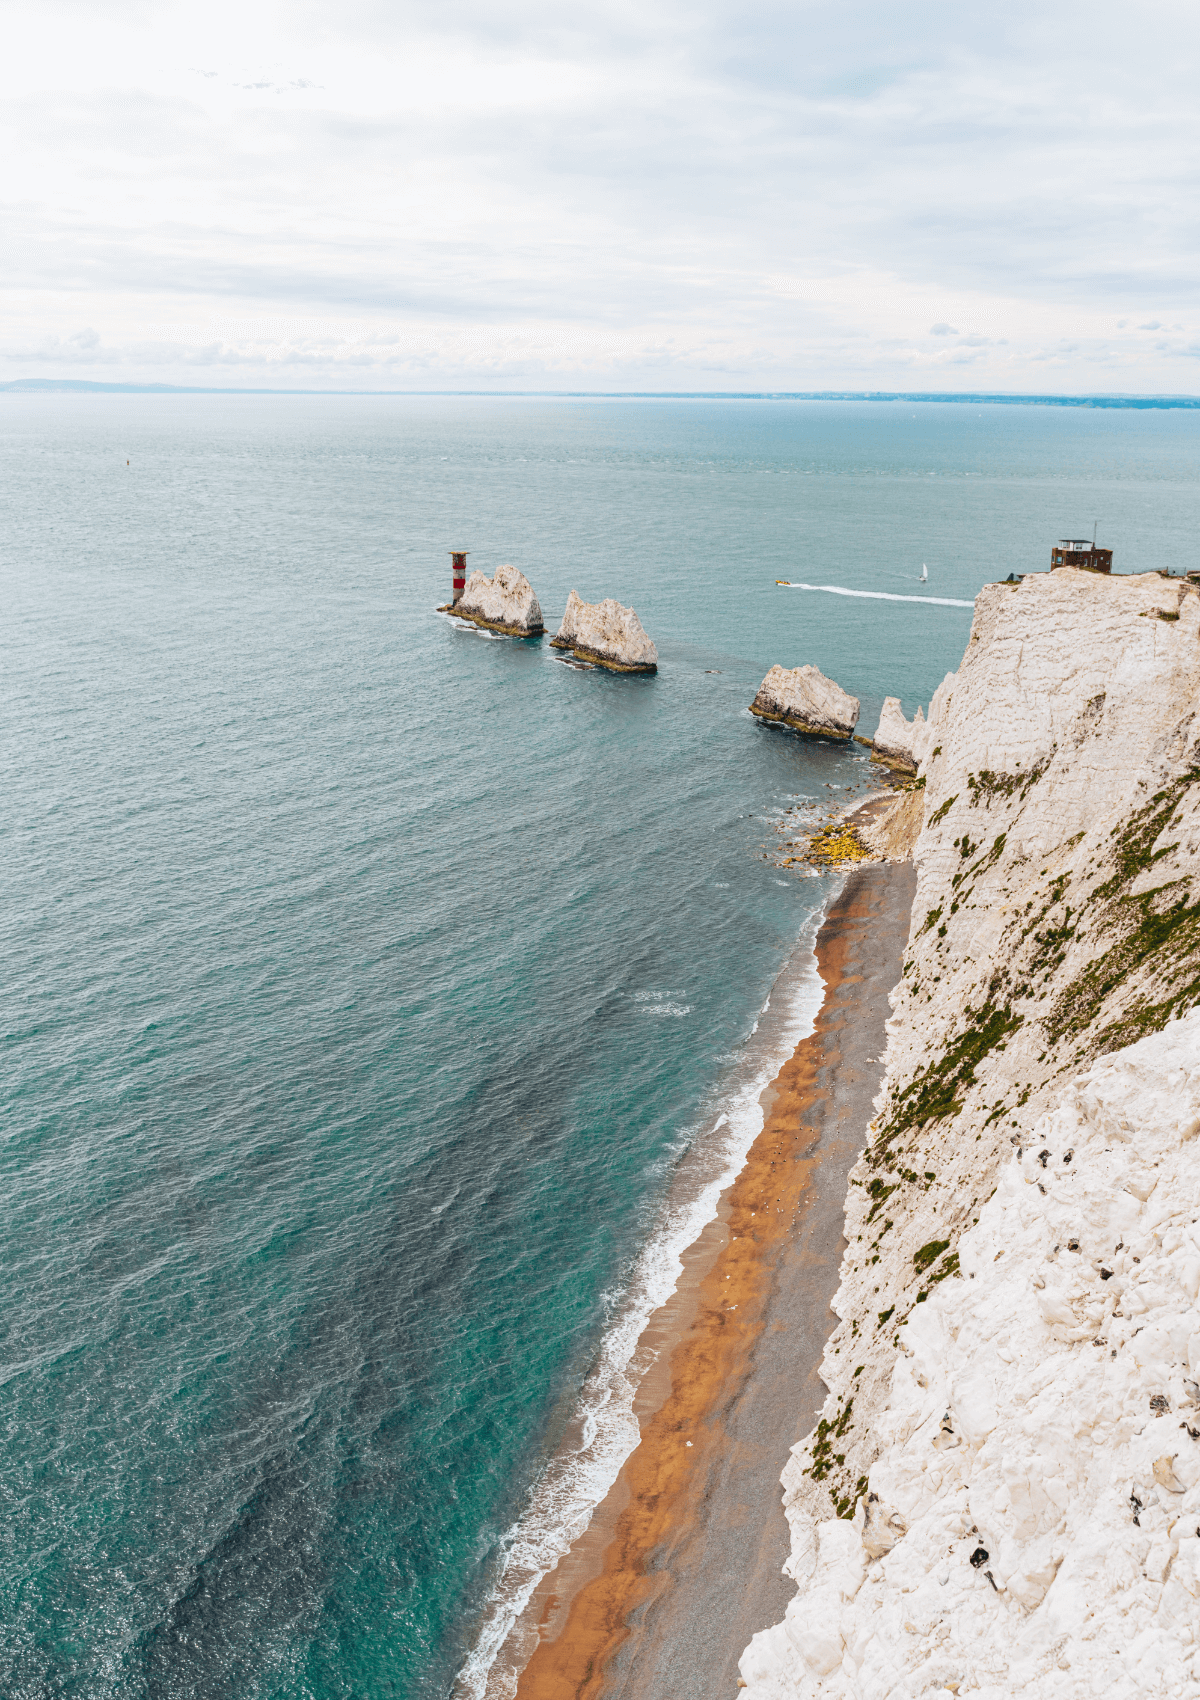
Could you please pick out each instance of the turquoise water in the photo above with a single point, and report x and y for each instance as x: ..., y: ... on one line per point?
x: 368, y: 979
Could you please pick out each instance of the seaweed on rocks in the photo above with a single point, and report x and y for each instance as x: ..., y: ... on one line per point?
x: 835, y: 846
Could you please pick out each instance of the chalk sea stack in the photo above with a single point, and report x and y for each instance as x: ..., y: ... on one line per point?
x: 897, y: 741
x: 505, y: 603
x: 606, y: 633
x: 803, y: 698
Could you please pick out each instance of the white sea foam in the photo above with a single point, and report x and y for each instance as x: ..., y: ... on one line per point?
x: 606, y: 1430
x: 661, y: 1003
x: 878, y: 595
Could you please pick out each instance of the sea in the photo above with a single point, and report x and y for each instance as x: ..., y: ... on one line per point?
x: 386, y: 1002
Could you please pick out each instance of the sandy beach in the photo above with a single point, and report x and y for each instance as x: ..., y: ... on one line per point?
x: 681, y: 1564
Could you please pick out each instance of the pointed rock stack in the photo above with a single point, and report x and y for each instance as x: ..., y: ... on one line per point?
x: 896, y: 738
x: 505, y: 603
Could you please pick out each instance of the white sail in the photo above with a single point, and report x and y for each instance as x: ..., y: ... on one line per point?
x: 924, y: 573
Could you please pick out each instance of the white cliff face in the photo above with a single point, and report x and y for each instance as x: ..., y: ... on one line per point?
x: 1056, y: 925
x: 608, y: 633
x: 802, y: 697
x: 1033, y: 1525
x: 505, y: 602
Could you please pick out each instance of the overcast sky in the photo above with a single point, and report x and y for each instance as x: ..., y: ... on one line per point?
x: 608, y: 196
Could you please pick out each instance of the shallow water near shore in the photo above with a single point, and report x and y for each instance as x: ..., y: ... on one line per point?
x: 370, y: 978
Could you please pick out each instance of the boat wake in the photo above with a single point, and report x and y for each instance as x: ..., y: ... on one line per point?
x: 875, y: 595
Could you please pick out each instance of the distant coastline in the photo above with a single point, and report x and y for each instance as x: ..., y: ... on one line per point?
x: 85, y: 386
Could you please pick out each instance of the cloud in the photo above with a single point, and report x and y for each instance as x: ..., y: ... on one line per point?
x: 786, y: 197
x: 82, y: 347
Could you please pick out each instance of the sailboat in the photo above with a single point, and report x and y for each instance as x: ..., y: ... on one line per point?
x: 924, y: 573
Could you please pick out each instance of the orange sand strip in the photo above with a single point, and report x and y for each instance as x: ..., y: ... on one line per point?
x: 654, y: 1499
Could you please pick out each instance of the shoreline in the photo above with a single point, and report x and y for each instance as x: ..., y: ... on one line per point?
x: 640, y: 1605
x: 628, y: 1378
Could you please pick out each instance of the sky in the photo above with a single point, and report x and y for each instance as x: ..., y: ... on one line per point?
x: 621, y: 196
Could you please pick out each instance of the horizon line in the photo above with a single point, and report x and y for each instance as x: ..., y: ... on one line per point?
x: 1111, y: 399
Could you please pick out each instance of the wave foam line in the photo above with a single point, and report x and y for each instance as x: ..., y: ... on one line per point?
x: 875, y: 595
x: 576, y: 1480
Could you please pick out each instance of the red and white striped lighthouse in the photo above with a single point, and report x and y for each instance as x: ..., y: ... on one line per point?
x: 459, y: 559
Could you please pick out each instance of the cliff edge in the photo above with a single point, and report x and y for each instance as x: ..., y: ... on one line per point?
x: 997, y: 1497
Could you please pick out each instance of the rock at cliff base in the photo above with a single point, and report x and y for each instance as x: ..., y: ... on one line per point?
x: 606, y: 633
x: 893, y: 740
x: 892, y: 833
x: 802, y: 697
x: 505, y: 603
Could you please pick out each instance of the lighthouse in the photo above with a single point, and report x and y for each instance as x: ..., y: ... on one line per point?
x: 459, y: 559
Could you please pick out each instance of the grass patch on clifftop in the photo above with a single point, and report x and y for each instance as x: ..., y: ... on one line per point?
x: 879, y: 1194
x: 986, y: 861
x: 937, y: 1089
x: 986, y: 786
x: 1157, y: 935
x: 929, y: 1254
x: 827, y: 1434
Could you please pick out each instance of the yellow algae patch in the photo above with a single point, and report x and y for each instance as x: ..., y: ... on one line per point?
x: 835, y: 845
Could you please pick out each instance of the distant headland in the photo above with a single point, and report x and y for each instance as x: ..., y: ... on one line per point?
x: 991, y: 398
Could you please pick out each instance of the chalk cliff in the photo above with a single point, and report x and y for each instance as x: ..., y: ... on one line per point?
x: 803, y: 698
x: 997, y: 1497
x: 897, y: 741
x: 505, y: 603
x: 606, y: 633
